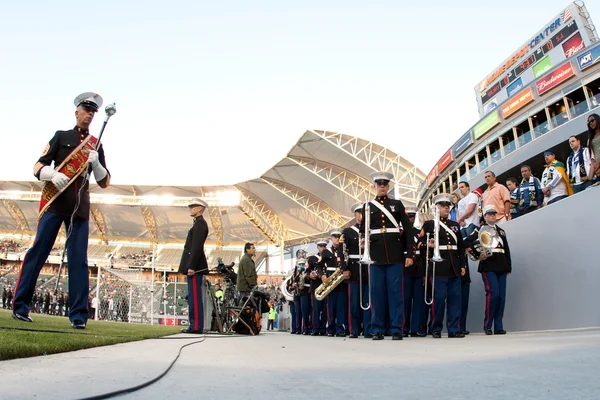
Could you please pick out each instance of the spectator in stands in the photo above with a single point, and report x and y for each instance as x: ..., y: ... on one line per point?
x: 497, y: 195
x: 4, y: 297
x: 593, y: 144
x: 453, y: 210
x: 247, y: 277
x: 579, y: 166
x: 531, y: 196
x: 513, y: 188
x: 468, y: 217
x: 555, y: 183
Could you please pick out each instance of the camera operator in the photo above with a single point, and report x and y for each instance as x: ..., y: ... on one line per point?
x: 193, y: 264
x: 246, y: 277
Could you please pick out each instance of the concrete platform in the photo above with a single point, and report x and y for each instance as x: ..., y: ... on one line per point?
x: 548, y: 365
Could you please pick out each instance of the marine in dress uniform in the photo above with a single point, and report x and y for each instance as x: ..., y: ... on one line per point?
x: 290, y: 289
x: 337, y: 299
x: 359, y: 319
x: 414, y: 303
x: 73, y: 204
x: 448, y: 272
x: 318, y: 315
x: 193, y: 264
x: 390, y: 248
x: 304, y: 290
x: 297, y: 301
x: 494, y: 270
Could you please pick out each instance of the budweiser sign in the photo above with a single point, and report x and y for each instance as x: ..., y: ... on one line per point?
x: 573, y: 46
x: 555, y: 78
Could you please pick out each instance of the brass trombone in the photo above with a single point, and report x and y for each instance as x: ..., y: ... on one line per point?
x: 435, y: 259
x: 365, y: 259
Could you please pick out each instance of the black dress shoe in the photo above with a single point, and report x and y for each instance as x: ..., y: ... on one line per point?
x: 436, y: 335
x: 397, y: 336
x: 465, y: 333
x: 298, y: 333
x: 500, y: 332
x: 314, y: 334
x: 368, y: 336
x: 305, y: 333
x: 22, y: 317
x: 188, y: 330
x: 330, y: 335
x: 418, y: 334
x: 340, y: 335
x: 77, y: 324
x: 353, y: 336
x: 456, y: 335
x: 405, y: 334
x: 293, y: 333
x: 378, y: 336
x: 488, y: 331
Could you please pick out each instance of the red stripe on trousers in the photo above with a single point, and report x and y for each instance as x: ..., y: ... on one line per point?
x: 349, y: 308
x: 488, y: 299
x: 432, y: 301
x: 194, y: 288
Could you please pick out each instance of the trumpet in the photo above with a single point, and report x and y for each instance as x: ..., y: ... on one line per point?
x: 365, y: 259
x: 435, y: 258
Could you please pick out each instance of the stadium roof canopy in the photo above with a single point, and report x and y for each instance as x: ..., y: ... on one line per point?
x: 303, y: 196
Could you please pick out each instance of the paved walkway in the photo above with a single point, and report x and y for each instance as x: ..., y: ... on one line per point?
x: 548, y: 365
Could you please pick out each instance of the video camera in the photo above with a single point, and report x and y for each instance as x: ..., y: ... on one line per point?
x: 226, y: 270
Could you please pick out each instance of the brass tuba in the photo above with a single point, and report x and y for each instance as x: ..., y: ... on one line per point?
x: 487, y: 240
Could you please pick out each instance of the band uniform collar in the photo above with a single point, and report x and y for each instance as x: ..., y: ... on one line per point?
x: 81, y: 130
x: 381, y: 198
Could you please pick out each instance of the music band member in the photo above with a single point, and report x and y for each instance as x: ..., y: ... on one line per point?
x: 290, y: 288
x: 391, y: 248
x: 317, y: 315
x: 303, y: 285
x: 73, y: 147
x: 448, y: 272
x: 414, y: 304
x: 494, y: 270
x: 360, y: 319
x: 194, y: 265
x: 337, y: 300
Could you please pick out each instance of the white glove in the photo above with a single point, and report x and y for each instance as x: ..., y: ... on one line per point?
x: 99, y: 171
x: 59, y: 179
x: 93, y: 158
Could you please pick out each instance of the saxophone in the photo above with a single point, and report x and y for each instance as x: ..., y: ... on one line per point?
x: 334, y: 280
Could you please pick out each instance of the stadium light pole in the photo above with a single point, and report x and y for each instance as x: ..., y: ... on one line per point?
x: 152, y: 286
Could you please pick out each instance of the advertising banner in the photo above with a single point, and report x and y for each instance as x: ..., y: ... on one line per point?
x: 519, y: 101
x: 445, y: 161
x: 540, y: 68
x: 514, y: 87
x: 431, y: 176
x: 555, y: 78
x: 462, y: 144
x: 574, y: 45
x: 589, y: 58
x: 486, y: 124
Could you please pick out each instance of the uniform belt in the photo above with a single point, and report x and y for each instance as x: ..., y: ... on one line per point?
x: 448, y: 247
x: 418, y: 252
x: 385, y: 230
x: 354, y: 256
x: 307, y: 285
x: 497, y: 250
x: 331, y: 269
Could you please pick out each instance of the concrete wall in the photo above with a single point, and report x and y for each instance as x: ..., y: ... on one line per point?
x: 555, y: 282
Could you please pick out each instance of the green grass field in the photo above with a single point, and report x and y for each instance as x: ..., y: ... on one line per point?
x: 20, y: 344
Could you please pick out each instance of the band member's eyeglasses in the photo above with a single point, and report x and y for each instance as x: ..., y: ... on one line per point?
x: 445, y: 204
x: 382, y: 182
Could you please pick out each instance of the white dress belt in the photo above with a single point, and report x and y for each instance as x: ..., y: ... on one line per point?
x: 448, y: 247
x: 386, y: 230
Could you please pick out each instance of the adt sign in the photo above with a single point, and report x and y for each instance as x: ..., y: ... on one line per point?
x: 588, y: 58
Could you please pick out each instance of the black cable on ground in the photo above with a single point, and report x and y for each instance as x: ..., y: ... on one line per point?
x: 145, y: 384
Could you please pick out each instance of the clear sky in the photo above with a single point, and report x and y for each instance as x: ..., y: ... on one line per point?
x: 217, y: 92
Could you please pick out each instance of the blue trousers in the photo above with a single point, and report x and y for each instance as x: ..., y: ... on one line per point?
x: 387, y: 277
x: 358, y: 316
x: 337, y: 311
x: 196, y: 311
x: 464, y: 305
x: 305, y: 300
x: 414, y: 305
x: 298, y: 302
x: 495, y: 299
x: 34, y: 260
x: 293, y: 317
x: 318, y: 316
x: 446, y: 290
